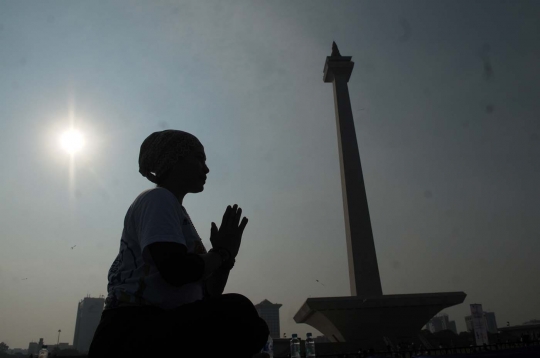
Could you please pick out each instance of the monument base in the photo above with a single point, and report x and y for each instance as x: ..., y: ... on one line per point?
x: 368, y: 320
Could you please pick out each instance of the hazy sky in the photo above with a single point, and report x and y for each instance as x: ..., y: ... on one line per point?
x: 445, y: 98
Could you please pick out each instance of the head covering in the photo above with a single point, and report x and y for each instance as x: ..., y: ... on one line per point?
x: 161, y: 150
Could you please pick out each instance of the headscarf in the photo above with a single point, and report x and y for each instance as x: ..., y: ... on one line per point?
x: 160, y: 151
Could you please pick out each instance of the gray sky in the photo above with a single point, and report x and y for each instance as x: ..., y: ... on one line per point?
x: 445, y: 98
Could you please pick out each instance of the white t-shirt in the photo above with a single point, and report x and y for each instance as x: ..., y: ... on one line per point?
x: 155, y: 216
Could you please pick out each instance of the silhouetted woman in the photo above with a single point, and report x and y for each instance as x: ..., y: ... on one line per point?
x: 165, y: 289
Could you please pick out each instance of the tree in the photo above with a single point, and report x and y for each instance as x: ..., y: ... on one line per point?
x: 3, y: 347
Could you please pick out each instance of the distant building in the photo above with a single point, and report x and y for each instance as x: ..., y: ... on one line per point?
x: 489, y: 321
x: 33, y: 348
x: 88, y: 316
x: 59, y: 346
x: 441, y: 323
x: 62, y: 346
x: 468, y: 323
x: 452, y: 326
x: 270, y: 313
x: 438, y: 323
x: 17, y: 351
x: 525, y: 332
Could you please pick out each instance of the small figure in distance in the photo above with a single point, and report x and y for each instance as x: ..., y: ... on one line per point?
x: 165, y: 291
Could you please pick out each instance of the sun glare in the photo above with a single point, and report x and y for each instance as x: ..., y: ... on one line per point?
x: 72, y: 141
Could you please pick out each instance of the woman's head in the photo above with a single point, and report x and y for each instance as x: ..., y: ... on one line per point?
x: 174, y: 159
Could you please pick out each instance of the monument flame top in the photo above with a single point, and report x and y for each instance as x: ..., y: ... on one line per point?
x: 335, y: 50
x: 337, y: 65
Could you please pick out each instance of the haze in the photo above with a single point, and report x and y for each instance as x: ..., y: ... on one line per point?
x: 445, y: 99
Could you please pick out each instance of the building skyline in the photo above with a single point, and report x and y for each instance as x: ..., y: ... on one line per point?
x: 270, y: 313
x: 453, y: 327
x: 441, y: 323
x: 34, y: 347
x: 89, y: 312
x: 489, y: 320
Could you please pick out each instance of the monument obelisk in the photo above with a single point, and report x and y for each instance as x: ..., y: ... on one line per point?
x: 363, y: 269
x: 367, y: 317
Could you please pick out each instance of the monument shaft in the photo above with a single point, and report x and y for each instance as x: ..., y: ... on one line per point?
x: 367, y: 317
x: 364, y: 275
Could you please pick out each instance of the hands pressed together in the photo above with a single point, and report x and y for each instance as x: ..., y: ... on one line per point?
x: 229, y: 234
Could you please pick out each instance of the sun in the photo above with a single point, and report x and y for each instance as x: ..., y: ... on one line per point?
x: 72, y: 141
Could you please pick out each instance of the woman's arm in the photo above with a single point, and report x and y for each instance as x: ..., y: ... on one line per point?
x: 177, y: 267
x: 212, y: 261
x: 215, y: 284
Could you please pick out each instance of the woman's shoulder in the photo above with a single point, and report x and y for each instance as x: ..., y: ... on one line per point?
x: 156, y: 194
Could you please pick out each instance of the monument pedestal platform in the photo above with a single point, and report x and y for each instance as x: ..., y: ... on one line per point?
x: 369, y: 319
